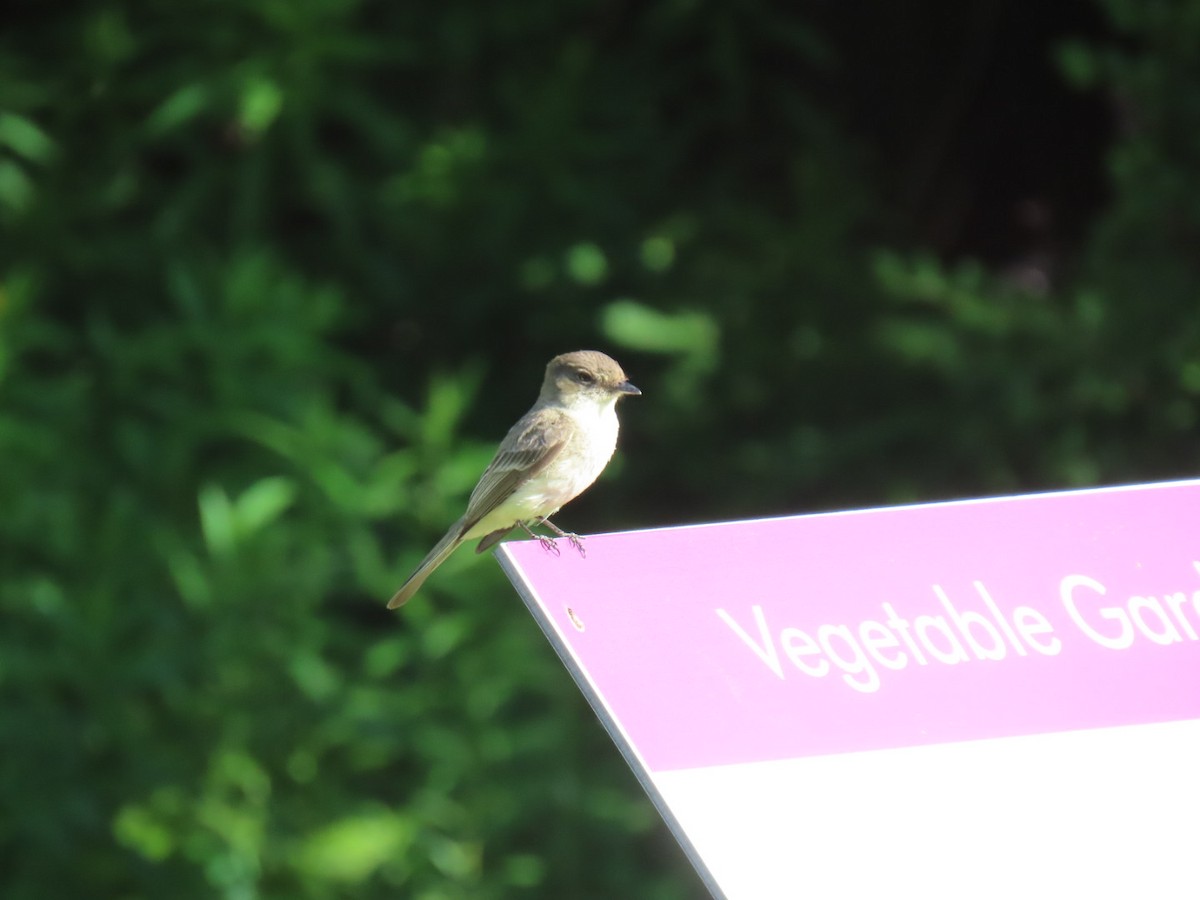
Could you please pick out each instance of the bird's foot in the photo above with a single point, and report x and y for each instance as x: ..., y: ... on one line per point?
x: 548, y: 543
x: 575, y: 540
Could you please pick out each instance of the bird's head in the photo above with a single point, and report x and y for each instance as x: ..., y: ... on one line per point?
x: 586, y: 376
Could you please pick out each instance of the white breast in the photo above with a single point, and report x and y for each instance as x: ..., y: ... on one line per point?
x: 570, y: 473
x: 581, y: 461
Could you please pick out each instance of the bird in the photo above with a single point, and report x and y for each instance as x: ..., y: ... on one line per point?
x: 553, y: 454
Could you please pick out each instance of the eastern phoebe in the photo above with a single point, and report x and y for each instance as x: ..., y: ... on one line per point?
x: 553, y: 453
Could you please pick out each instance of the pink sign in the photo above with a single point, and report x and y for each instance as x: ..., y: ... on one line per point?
x: 795, y: 638
x: 828, y: 633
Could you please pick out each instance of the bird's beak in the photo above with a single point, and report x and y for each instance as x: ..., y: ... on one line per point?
x: 626, y: 388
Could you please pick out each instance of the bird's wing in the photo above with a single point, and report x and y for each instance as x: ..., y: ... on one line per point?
x: 530, y: 446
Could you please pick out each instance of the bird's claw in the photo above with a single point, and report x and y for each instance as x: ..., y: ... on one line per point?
x: 548, y: 543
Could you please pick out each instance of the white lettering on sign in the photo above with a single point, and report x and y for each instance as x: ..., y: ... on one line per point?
x: 764, y: 651
x: 957, y: 633
x: 1165, y: 621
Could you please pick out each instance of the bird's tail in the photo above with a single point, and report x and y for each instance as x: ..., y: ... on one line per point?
x: 447, y: 545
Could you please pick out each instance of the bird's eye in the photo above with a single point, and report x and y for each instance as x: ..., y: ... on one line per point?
x: 584, y: 377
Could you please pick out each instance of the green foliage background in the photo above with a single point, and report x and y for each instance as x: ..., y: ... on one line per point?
x: 275, y: 276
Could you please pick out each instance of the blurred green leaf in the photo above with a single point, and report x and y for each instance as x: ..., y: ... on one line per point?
x: 262, y: 503
x: 354, y: 847
x: 16, y: 187
x: 1079, y: 64
x: 217, y: 520
x: 688, y: 333
x: 177, y: 110
x: 23, y: 138
x: 586, y: 263
x: 658, y: 253
x: 137, y: 828
x: 260, y: 105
